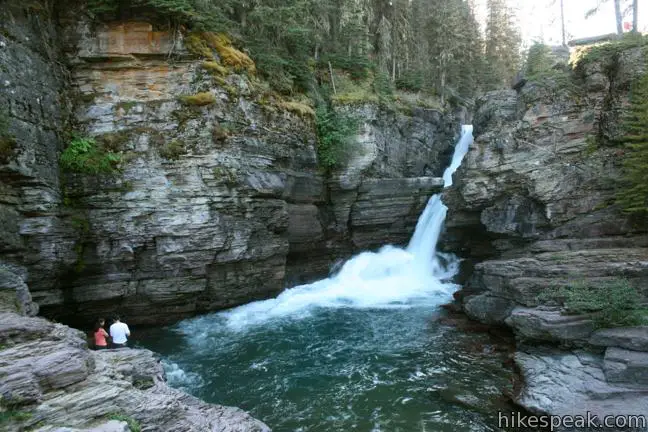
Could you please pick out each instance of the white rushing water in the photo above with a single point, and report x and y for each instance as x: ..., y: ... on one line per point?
x: 390, y: 278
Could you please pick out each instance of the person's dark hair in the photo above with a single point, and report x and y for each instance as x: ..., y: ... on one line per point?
x: 116, y: 317
x: 99, y: 324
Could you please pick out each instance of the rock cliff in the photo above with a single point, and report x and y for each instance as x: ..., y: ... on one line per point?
x: 213, y: 204
x: 50, y: 381
x: 533, y: 205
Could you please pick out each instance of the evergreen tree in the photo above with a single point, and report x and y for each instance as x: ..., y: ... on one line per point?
x: 429, y: 46
x: 502, y: 45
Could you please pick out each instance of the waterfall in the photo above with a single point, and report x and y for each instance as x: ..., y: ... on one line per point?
x: 389, y: 278
x: 428, y: 228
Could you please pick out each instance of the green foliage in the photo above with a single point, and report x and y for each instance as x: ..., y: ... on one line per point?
x: 606, y: 52
x: 7, y: 140
x: 83, y: 155
x: 335, y: 131
x: 539, y: 61
x: 358, y: 67
x: 410, y: 81
x: 133, y: 424
x: 81, y: 225
x: 199, y: 99
x: 298, y: 108
x: 126, y: 106
x: 13, y: 416
x: 429, y: 46
x: 502, y: 45
x: 382, y: 86
x: 227, y: 175
x: 215, y: 68
x: 612, y: 303
x: 180, y: 11
x: 633, y: 196
x: 173, y: 150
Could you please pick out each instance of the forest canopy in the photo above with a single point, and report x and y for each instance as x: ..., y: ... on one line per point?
x: 428, y: 46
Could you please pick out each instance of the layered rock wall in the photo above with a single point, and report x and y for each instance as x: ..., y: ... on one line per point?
x: 534, y: 208
x: 212, y: 205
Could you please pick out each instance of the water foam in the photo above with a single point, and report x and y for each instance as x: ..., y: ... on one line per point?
x: 178, y: 378
x: 391, y: 277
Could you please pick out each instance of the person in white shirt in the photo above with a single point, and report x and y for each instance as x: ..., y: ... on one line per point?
x: 119, y: 333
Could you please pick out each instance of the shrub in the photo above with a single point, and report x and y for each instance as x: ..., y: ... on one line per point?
x: 382, y: 85
x: 357, y: 66
x: 227, y: 175
x: 607, y: 51
x: 410, y: 81
x: 83, y: 155
x: 173, y: 150
x: 334, y: 132
x: 611, y: 304
x: 133, y: 424
x: 199, y: 99
x: 298, y: 108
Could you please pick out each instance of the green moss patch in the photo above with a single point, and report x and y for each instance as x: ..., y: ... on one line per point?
x: 199, y: 99
x: 173, y: 150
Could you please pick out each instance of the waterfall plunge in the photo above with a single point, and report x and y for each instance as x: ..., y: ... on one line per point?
x: 390, y: 278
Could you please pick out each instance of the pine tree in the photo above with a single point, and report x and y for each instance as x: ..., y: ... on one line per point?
x: 633, y: 198
x: 502, y: 45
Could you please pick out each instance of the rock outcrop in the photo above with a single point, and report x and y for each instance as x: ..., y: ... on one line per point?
x: 213, y: 204
x: 533, y: 205
x: 50, y: 381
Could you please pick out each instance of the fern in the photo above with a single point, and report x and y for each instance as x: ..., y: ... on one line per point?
x: 83, y: 155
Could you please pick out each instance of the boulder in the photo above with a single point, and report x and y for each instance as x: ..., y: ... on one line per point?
x: 626, y: 367
x: 488, y: 309
x: 630, y: 338
x: 573, y: 383
x: 549, y: 324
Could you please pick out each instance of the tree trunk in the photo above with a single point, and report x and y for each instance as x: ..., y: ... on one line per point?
x: 635, y: 16
x: 562, y: 21
x: 619, y: 17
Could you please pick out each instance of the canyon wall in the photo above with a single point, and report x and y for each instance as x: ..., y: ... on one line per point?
x: 534, y: 207
x: 212, y: 205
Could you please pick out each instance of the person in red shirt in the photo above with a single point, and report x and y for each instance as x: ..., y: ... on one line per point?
x: 100, y: 335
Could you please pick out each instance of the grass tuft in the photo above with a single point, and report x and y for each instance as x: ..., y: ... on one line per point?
x: 199, y: 99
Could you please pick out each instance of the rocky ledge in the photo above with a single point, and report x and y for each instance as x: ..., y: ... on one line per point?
x: 50, y: 381
x: 533, y: 205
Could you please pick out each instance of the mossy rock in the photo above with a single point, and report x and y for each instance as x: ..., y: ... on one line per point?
x: 215, y: 68
x: 126, y: 106
x: 197, y: 46
x: 204, y: 44
x: 173, y: 150
x: 299, y: 108
x: 7, y: 148
x: 226, y: 175
x: 114, y: 141
x: 199, y: 99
